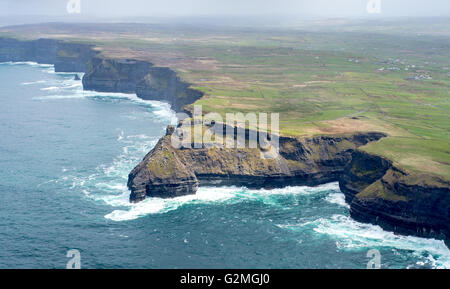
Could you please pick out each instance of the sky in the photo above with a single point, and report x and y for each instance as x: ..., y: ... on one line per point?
x: 313, y: 8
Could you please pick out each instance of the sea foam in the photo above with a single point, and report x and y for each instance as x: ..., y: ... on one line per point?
x: 353, y: 235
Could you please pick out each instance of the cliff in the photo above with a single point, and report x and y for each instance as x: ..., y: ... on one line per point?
x: 167, y: 172
x: 73, y: 57
x: 404, y: 202
x: 140, y: 77
x: 103, y: 74
x: 162, y: 83
x: 378, y: 192
x: 114, y: 75
x: 67, y: 57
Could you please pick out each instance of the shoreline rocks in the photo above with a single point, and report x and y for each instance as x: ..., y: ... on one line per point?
x: 407, y: 203
x: 307, y: 161
x: 140, y: 77
x: 66, y: 56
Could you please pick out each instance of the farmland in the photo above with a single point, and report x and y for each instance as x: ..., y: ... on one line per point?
x: 322, y: 80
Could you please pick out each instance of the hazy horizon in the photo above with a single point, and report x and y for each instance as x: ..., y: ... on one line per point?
x: 183, y: 8
x: 220, y: 12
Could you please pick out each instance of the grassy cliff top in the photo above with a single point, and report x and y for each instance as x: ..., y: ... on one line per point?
x: 321, y: 79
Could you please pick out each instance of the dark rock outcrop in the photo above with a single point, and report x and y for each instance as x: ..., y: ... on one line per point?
x: 103, y: 74
x: 404, y: 202
x: 363, y: 171
x: 66, y: 56
x: 166, y: 171
x: 140, y: 77
x: 115, y: 75
x: 73, y: 57
x: 161, y: 174
x: 163, y: 84
x: 41, y: 50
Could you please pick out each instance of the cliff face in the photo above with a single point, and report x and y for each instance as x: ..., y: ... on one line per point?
x: 378, y: 192
x: 67, y: 57
x: 167, y: 172
x: 73, y: 57
x: 162, y: 84
x: 41, y: 51
x: 102, y: 74
x: 114, y: 75
x: 161, y: 174
x: 407, y: 203
x: 140, y: 77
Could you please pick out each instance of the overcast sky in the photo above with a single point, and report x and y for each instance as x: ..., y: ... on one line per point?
x: 344, y: 8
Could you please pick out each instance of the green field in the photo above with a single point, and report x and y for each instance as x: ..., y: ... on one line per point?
x: 393, y: 77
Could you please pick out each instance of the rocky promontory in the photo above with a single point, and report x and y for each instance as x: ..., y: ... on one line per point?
x: 66, y: 56
x: 167, y: 172
x: 377, y: 190
x: 102, y: 73
x: 140, y: 77
x: 398, y: 200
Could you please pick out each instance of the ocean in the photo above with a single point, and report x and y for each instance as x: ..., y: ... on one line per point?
x: 65, y: 155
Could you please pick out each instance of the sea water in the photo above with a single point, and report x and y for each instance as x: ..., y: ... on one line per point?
x: 65, y: 155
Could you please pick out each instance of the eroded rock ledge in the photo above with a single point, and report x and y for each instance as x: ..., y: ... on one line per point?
x: 66, y: 56
x: 101, y: 73
x: 404, y: 202
x: 140, y: 77
x: 378, y: 192
x: 168, y: 172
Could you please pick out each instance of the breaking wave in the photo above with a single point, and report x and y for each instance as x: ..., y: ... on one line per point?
x: 204, y: 195
x: 28, y: 63
x: 350, y: 235
x: 69, y: 88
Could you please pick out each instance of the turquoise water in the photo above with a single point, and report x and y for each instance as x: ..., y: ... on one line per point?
x: 64, y: 159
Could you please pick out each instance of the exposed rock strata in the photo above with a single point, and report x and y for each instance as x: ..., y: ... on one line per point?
x: 140, y: 77
x: 115, y: 75
x: 167, y: 172
x: 66, y: 56
x: 404, y: 202
x: 103, y: 74
x: 163, y: 84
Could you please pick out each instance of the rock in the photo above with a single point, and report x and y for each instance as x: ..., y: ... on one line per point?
x: 167, y: 171
x: 170, y: 130
x: 404, y: 202
x: 114, y: 75
x: 66, y: 56
x: 363, y: 170
x: 163, y: 84
x: 161, y: 174
x: 74, y: 57
x: 140, y: 77
x: 76, y: 77
x: 41, y: 50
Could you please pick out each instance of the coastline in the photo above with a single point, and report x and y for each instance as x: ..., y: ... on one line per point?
x: 362, y: 189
